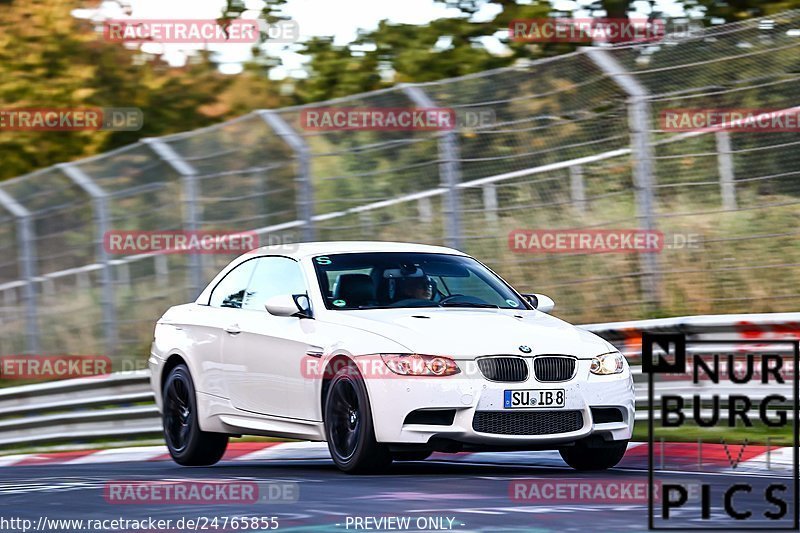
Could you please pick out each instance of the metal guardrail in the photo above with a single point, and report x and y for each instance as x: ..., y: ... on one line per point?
x: 725, y: 329
x: 121, y: 405
x: 114, y: 406
x: 762, y: 326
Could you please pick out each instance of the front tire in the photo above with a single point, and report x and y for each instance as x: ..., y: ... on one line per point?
x: 348, y: 426
x: 585, y: 458
x: 187, y: 443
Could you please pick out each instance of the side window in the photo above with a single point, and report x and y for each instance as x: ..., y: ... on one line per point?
x: 273, y: 276
x: 335, y: 275
x: 230, y: 291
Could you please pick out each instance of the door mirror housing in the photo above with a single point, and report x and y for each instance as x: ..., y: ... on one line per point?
x: 540, y: 302
x: 303, y: 304
x: 296, y: 305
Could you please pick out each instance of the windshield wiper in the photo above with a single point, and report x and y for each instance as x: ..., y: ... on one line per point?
x: 469, y: 304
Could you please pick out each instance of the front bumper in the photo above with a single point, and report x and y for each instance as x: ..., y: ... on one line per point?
x: 393, y: 399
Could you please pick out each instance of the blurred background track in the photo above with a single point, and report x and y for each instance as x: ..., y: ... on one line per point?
x: 577, y: 143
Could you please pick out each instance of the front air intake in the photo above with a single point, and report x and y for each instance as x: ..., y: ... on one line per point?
x: 527, y: 422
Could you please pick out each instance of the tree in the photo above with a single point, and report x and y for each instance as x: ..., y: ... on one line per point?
x: 396, y: 53
x: 49, y: 59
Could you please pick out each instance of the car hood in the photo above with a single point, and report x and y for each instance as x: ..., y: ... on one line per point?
x: 469, y: 333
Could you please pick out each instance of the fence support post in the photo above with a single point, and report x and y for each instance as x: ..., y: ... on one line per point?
x: 161, y: 266
x: 490, y: 205
x: 576, y: 188
x: 449, y: 170
x: 191, y: 213
x: 727, y: 184
x: 425, y: 210
x: 640, y: 124
x: 305, y: 196
x: 101, y: 222
x: 27, y: 266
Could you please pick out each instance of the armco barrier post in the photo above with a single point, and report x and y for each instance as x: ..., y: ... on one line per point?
x: 640, y: 125
x: 449, y: 170
x: 305, y: 196
x: 100, y: 211
x: 27, y: 266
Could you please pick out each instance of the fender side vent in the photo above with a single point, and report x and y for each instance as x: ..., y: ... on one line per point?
x: 431, y: 417
x: 604, y: 415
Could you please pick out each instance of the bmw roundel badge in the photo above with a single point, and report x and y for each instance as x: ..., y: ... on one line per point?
x: 525, y: 349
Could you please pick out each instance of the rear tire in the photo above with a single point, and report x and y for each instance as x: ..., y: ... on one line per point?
x: 584, y: 458
x: 348, y: 426
x: 187, y: 443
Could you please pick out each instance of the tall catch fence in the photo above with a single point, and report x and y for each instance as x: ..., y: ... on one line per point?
x: 577, y: 141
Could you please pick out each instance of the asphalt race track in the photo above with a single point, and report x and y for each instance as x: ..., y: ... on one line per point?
x: 475, y: 494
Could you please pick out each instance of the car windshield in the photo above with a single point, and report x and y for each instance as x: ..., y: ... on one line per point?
x: 379, y: 280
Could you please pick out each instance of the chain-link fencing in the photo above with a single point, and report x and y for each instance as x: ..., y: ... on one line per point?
x: 577, y: 141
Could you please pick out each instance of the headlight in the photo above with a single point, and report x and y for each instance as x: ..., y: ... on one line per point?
x: 609, y: 363
x: 420, y: 365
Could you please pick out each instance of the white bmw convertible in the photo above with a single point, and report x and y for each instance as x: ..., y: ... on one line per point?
x: 387, y: 351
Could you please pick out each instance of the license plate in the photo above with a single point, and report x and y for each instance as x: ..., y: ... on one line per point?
x: 518, y: 399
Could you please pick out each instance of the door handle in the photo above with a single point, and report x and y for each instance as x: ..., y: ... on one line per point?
x: 233, y: 329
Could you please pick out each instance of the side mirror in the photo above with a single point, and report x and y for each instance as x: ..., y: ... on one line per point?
x: 289, y: 305
x: 540, y: 302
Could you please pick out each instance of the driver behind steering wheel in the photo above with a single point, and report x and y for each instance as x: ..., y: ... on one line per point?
x: 416, y: 288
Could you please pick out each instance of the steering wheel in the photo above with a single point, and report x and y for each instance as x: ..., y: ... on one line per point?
x: 451, y: 297
x: 463, y: 299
